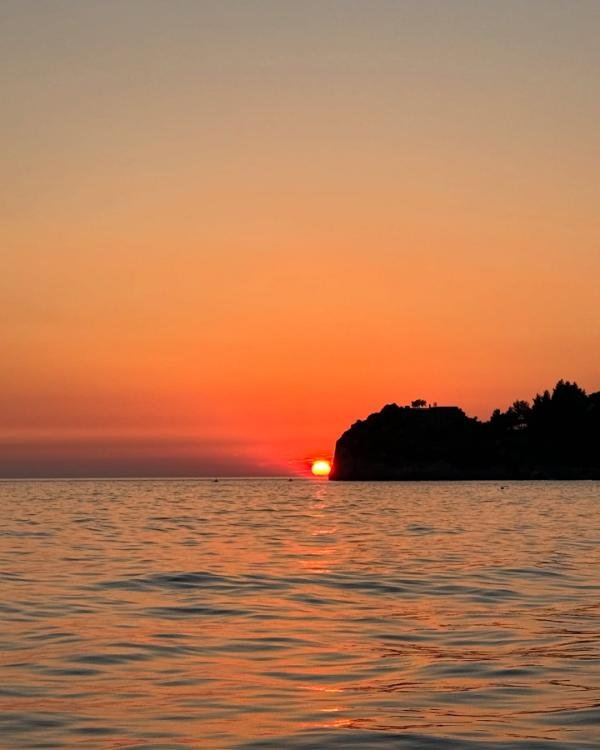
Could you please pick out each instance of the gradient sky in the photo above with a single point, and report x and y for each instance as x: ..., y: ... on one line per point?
x: 228, y: 229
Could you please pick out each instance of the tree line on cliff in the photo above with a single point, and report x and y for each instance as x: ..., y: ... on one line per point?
x: 558, y: 428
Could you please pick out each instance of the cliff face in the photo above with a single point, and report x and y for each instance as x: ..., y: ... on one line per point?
x: 409, y: 443
x: 556, y: 437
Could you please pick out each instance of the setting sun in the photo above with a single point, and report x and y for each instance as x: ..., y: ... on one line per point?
x: 321, y: 468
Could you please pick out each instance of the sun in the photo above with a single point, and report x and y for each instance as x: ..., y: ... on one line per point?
x: 320, y: 468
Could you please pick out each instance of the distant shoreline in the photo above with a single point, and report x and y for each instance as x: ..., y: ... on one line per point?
x: 555, y: 438
x: 594, y: 478
x: 312, y: 480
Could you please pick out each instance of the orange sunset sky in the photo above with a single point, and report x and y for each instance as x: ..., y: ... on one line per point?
x: 229, y: 229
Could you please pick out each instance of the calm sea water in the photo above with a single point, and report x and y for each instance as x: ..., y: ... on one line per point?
x: 305, y: 614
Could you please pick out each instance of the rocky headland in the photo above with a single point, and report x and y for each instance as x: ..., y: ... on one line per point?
x: 556, y: 436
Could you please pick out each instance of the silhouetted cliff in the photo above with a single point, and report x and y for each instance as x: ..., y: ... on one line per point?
x: 557, y: 436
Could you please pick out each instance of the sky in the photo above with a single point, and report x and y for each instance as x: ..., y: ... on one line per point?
x: 230, y: 228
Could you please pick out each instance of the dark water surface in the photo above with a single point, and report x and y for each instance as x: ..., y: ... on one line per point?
x: 305, y: 614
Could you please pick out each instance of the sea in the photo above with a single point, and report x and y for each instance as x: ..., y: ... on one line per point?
x: 268, y: 613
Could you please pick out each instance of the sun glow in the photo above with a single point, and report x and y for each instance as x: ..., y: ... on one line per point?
x: 320, y: 468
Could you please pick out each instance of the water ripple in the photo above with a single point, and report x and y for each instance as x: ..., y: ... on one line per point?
x: 267, y: 614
